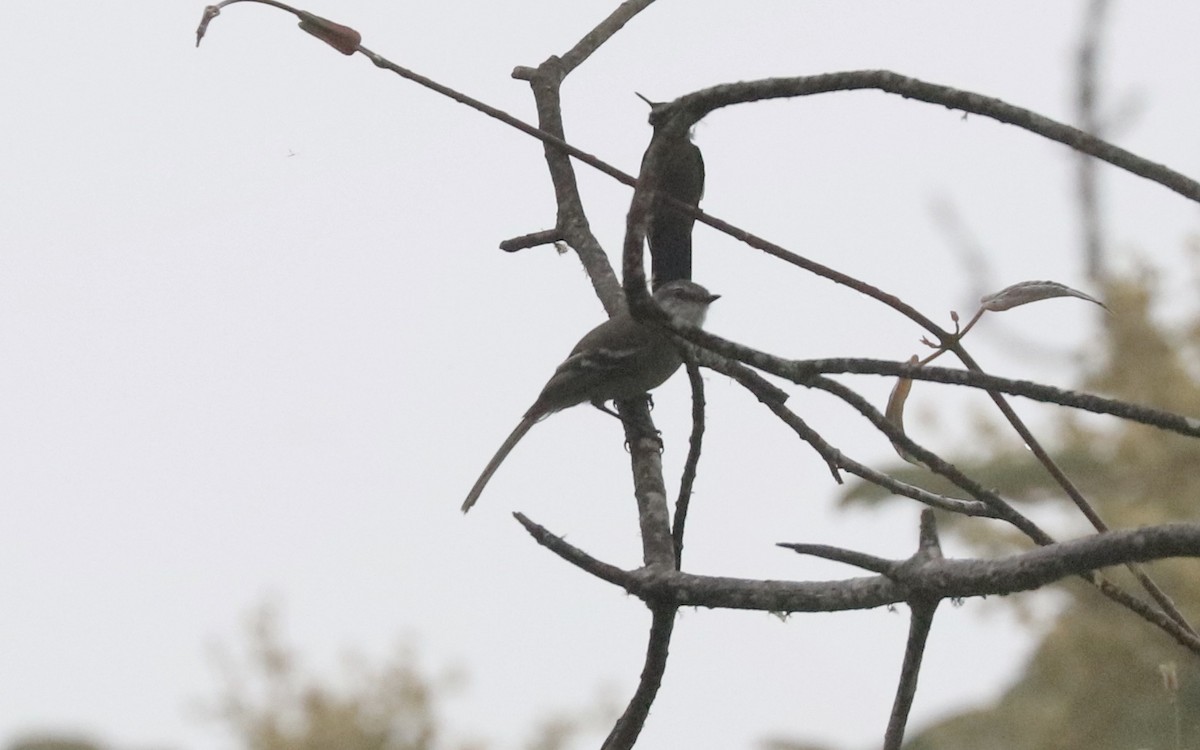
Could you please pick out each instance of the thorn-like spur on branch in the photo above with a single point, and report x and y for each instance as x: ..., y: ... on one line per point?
x: 929, y: 549
x: 862, y: 560
x: 342, y: 38
x: 930, y: 546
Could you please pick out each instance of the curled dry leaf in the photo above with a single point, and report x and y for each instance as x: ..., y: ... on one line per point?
x: 895, y: 410
x: 1025, y: 292
x: 342, y: 38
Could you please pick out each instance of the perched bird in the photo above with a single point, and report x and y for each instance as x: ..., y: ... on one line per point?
x: 616, y: 360
x: 669, y: 230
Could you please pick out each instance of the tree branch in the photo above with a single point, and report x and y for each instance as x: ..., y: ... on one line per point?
x: 695, y: 442
x: 692, y: 107
x: 954, y: 579
x: 629, y: 726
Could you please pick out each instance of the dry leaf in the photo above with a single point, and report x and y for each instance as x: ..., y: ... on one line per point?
x: 1030, y: 291
x: 342, y: 38
x: 895, y: 410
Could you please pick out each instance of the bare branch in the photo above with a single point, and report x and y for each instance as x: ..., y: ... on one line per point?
x: 801, y: 371
x: 570, y: 553
x: 629, y: 726
x: 695, y: 442
x: 840, y: 461
x: 533, y: 239
x: 920, y: 622
x: 645, y: 452
x: 1171, y: 620
x: 1000, y: 507
x: 945, y: 579
x: 696, y: 105
x: 922, y: 608
x: 545, y: 81
x: 604, y: 31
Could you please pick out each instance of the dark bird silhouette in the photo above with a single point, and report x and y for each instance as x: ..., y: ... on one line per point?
x: 681, y: 176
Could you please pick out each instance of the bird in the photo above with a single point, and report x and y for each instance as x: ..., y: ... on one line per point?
x: 680, y: 176
x: 669, y: 231
x: 618, y: 359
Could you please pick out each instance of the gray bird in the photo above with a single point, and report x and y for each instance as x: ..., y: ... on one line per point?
x: 616, y: 360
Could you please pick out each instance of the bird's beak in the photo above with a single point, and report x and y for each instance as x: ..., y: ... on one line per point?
x: 713, y: 298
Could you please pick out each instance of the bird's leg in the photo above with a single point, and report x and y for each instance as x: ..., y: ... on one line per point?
x: 602, y: 405
x: 641, y: 428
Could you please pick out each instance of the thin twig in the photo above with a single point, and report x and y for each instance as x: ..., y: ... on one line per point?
x: 583, y: 49
x: 695, y: 442
x: 800, y: 371
x: 862, y: 560
x: 933, y: 462
x: 837, y: 460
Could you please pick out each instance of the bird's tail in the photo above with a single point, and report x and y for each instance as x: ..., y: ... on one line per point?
x: 506, y: 448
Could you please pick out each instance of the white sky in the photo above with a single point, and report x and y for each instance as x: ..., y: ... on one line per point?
x: 256, y: 341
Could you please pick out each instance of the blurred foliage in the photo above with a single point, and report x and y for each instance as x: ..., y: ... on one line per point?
x: 50, y: 741
x: 269, y: 703
x: 790, y: 745
x: 1096, y: 680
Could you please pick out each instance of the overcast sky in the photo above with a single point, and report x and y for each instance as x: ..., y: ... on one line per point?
x: 256, y: 341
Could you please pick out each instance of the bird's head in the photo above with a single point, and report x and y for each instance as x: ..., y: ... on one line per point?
x: 685, y: 301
